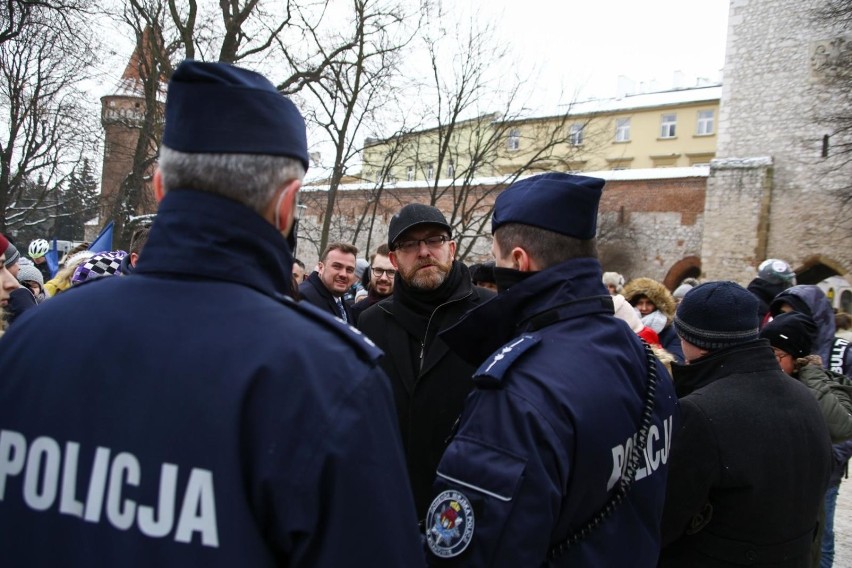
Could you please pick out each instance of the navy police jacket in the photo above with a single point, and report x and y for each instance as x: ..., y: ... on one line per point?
x: 191, y: 415
x: 546, y: 436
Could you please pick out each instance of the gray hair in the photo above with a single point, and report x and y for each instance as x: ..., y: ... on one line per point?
x: 250, y: 179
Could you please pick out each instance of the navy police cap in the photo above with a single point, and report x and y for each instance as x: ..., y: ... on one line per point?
x: 216, y: 108
x: 562, y: 203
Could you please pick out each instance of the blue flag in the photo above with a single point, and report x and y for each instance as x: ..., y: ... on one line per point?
x: 103, y: 242
x: 52, y: 258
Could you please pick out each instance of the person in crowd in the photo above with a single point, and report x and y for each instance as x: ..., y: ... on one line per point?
x: 431, y: 291
x: 791, y: 336
x: 37, y: 251
x: 614, y: 282
x: 685, y: 286
x: 326, y: 286
x: 21, y: 298
x: 749, y: 467
x: 99, y: 265
x: 482, y: 275
x: 773, y: 277
x: 536, y: 474
x: 255, y: 431
x: 843, y: 326
x: 298, y: 271
x: 137, y: 243
x: 62, y: 280
x: 30, y: 277
x: 379, y: 283
x: 358, y: 285
x: 8, y: 284
x: 626, y: 312
x: 812, y: 301
x: 656, y: 309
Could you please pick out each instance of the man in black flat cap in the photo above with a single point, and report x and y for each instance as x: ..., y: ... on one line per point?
x: 560, y: 455
x: 250, y: 430
x: 431, y: 292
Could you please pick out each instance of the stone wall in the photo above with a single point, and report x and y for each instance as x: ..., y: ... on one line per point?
x: 772, y: 193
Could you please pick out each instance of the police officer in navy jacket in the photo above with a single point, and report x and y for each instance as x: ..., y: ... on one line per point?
x: 560, y: 456
x: 193, y: 415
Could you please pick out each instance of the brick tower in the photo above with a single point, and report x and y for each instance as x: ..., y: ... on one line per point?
x: 123, y: 118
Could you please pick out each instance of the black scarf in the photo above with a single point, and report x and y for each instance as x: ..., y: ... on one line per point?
x: 414, y: 306
x: 508, y: 277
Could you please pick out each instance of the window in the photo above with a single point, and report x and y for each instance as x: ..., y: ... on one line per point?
x: 430, y: 170
x: 622, y: 130
x: 514, y: 141
x: 667, y: 126
x: 410, y: 173
x: 705, y: 122
x: 575, y: 134
x: 451, y: 169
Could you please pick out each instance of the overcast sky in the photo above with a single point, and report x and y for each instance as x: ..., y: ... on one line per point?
x: 588, y: 43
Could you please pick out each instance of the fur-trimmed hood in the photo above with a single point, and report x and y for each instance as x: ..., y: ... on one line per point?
x: 654, y: 291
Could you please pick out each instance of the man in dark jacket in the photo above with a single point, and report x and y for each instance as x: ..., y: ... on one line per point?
x: 379, y: 281
x: 431, y: 291
x: 560, y: 455
x: 249, y: 430
x: 773, y: 277
x: 751, y: 463
x: 326, y: 287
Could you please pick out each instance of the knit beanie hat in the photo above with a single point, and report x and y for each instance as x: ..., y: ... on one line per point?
x: 101, y: 264
x: 615, y: 279
x: 360, y: 266
x: 792, y: 332
x: 12, y: 255
x: 4, y: 243
x: 29, y: 272
x: 716, y: 315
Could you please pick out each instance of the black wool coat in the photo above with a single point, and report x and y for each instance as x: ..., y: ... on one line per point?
x: 430, y: 400
x: 749, y: 466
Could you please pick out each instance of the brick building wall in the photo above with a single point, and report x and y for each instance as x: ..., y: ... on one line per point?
x: 650, y: 225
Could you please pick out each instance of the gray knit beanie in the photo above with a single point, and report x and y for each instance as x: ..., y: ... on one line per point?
x: 716, y: 315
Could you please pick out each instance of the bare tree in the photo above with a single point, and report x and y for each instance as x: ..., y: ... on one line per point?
x: 483, y: 130
x: 46, y: 130
x: 354, y: 89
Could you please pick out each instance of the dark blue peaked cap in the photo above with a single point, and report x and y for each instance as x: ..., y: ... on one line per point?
x: 562, y: 203
x: 216, y: 108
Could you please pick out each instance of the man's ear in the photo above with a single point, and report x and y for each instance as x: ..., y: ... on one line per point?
x: 392, y: 257
x: 159, y: 192
x: 522, y: 261
x: 284, y: 206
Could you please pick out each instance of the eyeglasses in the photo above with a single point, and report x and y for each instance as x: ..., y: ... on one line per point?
x: 432, y: 243
x: 379, y: 272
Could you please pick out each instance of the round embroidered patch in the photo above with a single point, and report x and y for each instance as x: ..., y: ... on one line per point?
x: 449, y: 524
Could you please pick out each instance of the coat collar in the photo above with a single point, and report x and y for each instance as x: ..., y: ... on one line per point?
x: 482, y: 330
x: 750, y: 357
x: 199, y: 234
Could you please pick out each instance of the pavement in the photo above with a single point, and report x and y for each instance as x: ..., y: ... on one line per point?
x: 843, y: 526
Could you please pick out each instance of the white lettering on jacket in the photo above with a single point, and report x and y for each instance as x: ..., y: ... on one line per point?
x: 49, y: 472
x: 655, y: 455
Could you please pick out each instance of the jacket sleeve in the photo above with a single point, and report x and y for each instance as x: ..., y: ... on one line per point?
x: 693, y: 470
x: 497, y: 492
x: 835, y: 400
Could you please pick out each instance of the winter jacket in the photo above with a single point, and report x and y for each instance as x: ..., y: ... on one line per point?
x: 545, y: 437
x: 833, y: 391
x: 665, y: 303
x: 314, y: 292
x: 749, y: 467
x: 811, y: 300
x: 429, y: 400
x: 198, y: 417
x: 765, y: 292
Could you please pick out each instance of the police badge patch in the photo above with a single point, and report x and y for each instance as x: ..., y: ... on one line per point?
x: 449, y: 524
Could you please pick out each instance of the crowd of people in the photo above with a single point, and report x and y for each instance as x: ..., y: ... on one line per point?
x: 220, y: 404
